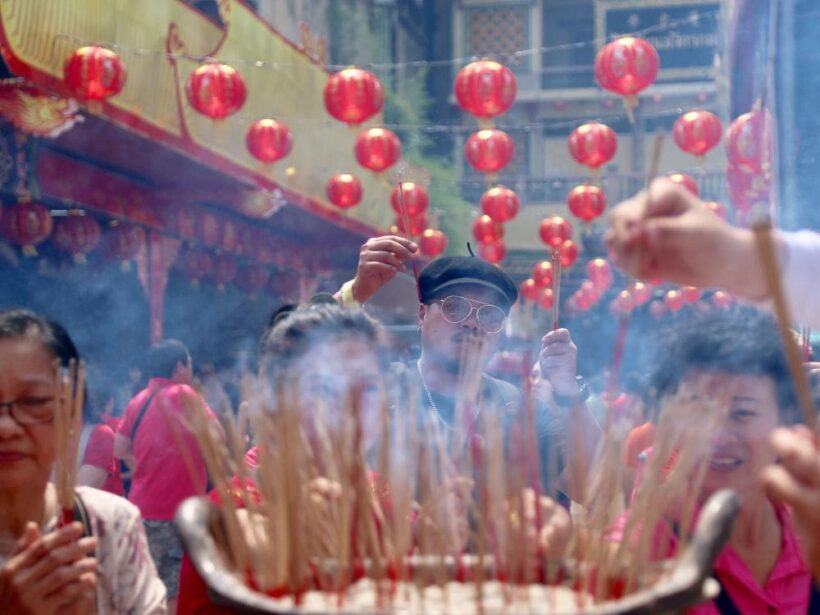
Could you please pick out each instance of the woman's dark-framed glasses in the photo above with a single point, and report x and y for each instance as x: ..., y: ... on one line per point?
x: 30, y: 410
x: 456, y: 309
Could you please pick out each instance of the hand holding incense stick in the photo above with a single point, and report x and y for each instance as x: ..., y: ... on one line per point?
x: 69, y: 397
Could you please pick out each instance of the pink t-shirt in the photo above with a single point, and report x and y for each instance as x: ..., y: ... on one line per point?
x: 99, y: 452
x: 163, y: 448
x: 786, y: 591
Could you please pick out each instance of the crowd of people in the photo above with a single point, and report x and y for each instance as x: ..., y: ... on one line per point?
x: 137, y: 468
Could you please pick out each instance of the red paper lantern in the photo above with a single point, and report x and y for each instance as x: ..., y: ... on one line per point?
x: 674, y: 300
x: 225, y: 270
x: 493, y: 252
x: 94, y: 73
x: 589, y: 291
x: 196, y: 264
x: 749, y: 142
x: 485, y: 88
x: 268, y: 140
x: 686, y: 181
x: 487, y: 230
x: 722, y: 299
x: 489, y: 151
x: 554, y: 231
x: 500, y: 203
x: 415, y: 199
x: 124, y: 242
x: 353, y: 95
x: 252, y: 279
x: 622, y: 304
x: 592, y: 144
x: 600, y: 273
x: 415, y: 226
x: 627, y: 65
x: 377, y: 149
x: 640, y: 293
x: 77, y: 235
x: 209, y: 228
x: 27, y: 224
x: 546, y: 299
x: 747, y: 189
x: 657, y: 309
x: 717, y: 209
x: 344, y: 190
x: 432, y: 243
x: 697, y: 132
x: 690, y: 293
x: 529, y: 289
x: 568, y: 252
x: 542, y: 274
x: 216, y: 90
x: 586, y: 202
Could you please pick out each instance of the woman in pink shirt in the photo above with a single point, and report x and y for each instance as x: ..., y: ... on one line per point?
x: 734, y: 360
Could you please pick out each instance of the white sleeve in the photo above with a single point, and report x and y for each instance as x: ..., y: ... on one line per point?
x: 801, y: 276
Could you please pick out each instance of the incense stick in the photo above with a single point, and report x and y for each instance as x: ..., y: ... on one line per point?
x: 556, y: 286
x: 69, y: 398
x: 763, y: 238
x: 405, y: 218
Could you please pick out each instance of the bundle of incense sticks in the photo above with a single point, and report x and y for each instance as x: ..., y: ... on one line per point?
x: 69, y: 397
x: 448, y: 502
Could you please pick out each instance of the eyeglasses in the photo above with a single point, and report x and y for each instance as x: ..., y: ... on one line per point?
x: 30, y: 410
x: 456, y: 309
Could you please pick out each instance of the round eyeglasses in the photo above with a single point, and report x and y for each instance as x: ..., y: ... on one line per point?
x: 456, y: 309
x: 30, y: 410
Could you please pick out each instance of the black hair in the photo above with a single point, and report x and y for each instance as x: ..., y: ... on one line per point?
x: 292, y: 336
x: 739, y: 340
x: 51, y: 334
x: 164, y: 356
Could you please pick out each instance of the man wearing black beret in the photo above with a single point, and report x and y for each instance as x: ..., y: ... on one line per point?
x: 464, y: 304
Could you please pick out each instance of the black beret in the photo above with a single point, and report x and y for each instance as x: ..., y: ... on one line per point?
x: 450, y: 271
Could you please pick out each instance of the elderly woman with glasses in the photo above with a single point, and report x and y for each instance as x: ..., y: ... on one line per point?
x: 99, y: 566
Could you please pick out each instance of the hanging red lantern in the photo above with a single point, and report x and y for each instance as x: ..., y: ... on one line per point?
x: 252, y: 279
x: 209, y: 228
x: 627, y: 66
x: 722, y: 299
x: 196, y: 264
x: 225, y: 270
x: 674, y: 300
x: 415, y: 226
x: 27, y: 224
x: 622, y: 304
x: 77, y: 235
x: 586, y: 202
x: 690, y: 294
x: 94, y: 73
x: 747, y: 189
x: 686, y: 181
x: 500, y: 203
x: 344, y: 190
x: 588, y: 290
x: 485, y: 88
x: 353, y: 95
x: 554, y: 231
x: 657, y: 309
x: 493, y: 252
x: 600, y: 273
x: 432, y: 243
x: 717, y: 209
x: 216, y: 90
x: 414, y: 196
x: 546, y: 299
x: 568, y: 252
x: 529, y: 289
x: 542, y: 274
x: 487, y: 230
x: 592, y: 144
x: 749, y: 142
x: 123, y: 242
x: 489, y: 151
x: 697, y: 132
x: 377, y: 149
x: 581, y: 302
x: 640, y: 293
x: 268, y: 140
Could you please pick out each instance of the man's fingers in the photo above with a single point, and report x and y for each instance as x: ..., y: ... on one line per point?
x: 402, y: 248
x: 41, y: 547
x: 380, y: 268
x: 559, y: 336
x: 781, y: 486
x: 799, y: 456
x: 383, y: 256
x: 666, y: 198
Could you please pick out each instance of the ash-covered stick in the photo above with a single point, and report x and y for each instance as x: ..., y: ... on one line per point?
x: 405, y: 219
x: 763, y: 237
x: 556, y: 286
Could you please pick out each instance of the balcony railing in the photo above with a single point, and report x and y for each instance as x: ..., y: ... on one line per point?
x: 554, y: 189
